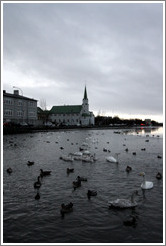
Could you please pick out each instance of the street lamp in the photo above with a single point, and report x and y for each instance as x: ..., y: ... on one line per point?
x: 22, y: 102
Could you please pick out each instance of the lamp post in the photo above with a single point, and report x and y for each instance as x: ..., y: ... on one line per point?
x: 22, y: 102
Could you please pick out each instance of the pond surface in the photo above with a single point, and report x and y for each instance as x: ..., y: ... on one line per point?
x: 27, y: 220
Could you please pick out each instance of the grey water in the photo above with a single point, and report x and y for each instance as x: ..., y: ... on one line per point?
x: 27, y: 220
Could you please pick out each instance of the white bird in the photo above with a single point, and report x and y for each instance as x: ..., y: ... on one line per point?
x: 77, y: 154
x: 112, y: 159
x: 124, y: 203
x: 146, y: 185
x: 88, y: 159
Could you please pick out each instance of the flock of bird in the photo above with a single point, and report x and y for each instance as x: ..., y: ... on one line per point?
x: 85, y: 155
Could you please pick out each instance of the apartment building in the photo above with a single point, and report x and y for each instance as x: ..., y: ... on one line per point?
x: 18, y: 108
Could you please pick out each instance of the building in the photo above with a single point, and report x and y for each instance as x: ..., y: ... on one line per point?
x: 73, y: 114
x: 19, y: 109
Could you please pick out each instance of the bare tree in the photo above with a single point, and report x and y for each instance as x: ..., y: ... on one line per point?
x: 43, y: 104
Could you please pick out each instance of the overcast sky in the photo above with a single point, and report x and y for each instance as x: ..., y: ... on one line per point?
x: 51, y: 50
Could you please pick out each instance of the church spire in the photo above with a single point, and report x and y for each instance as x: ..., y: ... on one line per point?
x: 85, y: 94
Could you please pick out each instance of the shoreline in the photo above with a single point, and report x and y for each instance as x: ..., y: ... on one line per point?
x: 22, y: 130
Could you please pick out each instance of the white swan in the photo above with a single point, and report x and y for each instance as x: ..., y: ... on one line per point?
x: 77, y: 154
x: 66, y: 158
x: 146, y: 185
x: 112, y: 159
x: 88, y: 159
x: 124, y: 203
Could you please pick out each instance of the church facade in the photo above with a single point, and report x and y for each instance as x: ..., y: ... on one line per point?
x: 71, y: 115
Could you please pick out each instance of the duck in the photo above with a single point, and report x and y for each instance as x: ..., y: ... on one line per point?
x: 37, y: 184
x: 134, y: 153
x: 146, y: 185
x: 158, y: 175
x: 124, y: 203
x: 9, y: 170
x: 37, y: 197
x: 128, y: 169
x: 30, y: 163
x: 82, y: 178
x: 143, y: 149
x: 70, y: 170
x: 91, y: 193
x: 159, y: 156
x: 66, y: 208
x: 44, y: 173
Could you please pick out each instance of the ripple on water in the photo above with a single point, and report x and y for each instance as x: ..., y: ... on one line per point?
x: 26, y: 220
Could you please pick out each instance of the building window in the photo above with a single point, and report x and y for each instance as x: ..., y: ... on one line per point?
x: 31, y: 104
x: 8, y: 101
x: 8, y: 112
x: 19, y: 113
x: 31, y: 114
x: 19, y: 103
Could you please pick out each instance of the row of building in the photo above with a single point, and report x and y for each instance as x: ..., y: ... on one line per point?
x: 24, y: 110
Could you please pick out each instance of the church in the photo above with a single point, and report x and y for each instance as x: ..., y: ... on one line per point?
x: 70, y: 115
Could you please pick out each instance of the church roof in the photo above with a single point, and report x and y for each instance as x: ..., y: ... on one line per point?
x: 66, y: 109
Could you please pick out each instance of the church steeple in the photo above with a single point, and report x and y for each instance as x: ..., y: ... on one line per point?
x: 85, y: 105
x: 85, y: 94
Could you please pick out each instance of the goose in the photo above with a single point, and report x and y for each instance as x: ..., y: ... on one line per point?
x: 124, y: 203
x: 146, y: 185
x: 37, y: 184
x: 91, y: 193
x: 44, y: 173
x: 77, y: 183
x: 30, y: 163
x: 70, y: 170
x: 9, y: 170
x: 158, y: 175
x: 66, y: 208
x: 128, y: 169
x: 112, y: 159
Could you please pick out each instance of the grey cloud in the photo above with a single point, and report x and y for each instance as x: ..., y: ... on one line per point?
x: 115, y: 48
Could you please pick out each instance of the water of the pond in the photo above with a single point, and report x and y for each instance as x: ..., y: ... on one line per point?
x: 27, y: 220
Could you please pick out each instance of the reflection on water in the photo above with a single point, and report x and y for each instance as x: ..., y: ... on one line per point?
x: 147, y: 130
x: 27, y: 220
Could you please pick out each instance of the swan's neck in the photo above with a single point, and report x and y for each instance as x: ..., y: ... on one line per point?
x: 144, y: 179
